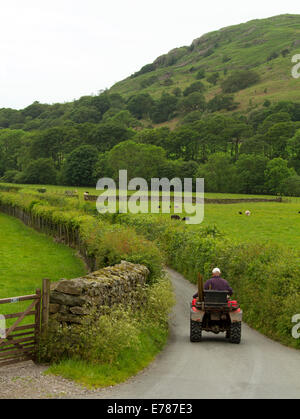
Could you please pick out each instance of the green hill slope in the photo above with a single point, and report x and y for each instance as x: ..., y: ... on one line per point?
x: 266, y: 46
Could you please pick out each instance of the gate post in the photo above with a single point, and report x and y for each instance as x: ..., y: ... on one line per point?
x: 45, y: 303
x: 37, y: 328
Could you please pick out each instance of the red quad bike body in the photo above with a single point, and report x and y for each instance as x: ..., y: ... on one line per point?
x: 213, y: 312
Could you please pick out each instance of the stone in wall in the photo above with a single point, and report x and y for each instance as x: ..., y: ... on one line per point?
x: 72, y: 299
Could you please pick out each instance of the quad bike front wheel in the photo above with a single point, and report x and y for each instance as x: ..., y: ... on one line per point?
x: 235, y: 333
x: 196, y: 331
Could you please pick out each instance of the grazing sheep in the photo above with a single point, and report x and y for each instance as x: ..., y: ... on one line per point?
x: 185, y: 218
x: 240, y: 213
x: 175, y: 217
x: 248, y: 213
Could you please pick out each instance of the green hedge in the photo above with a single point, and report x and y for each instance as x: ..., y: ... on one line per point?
x: 265, y: 278
x: 100, y: 242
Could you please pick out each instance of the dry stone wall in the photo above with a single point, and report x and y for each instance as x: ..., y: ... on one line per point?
x: 72, y: 299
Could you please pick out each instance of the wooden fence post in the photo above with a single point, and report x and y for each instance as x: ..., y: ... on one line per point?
x: 45, y: 303
x: 37, y: 328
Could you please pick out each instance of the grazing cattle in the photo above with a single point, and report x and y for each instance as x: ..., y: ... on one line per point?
x: 185, y: 218
x: 240, y: 213
x: 175, y: 217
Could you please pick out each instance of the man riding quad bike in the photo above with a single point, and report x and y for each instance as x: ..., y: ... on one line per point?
x: 213, y: 311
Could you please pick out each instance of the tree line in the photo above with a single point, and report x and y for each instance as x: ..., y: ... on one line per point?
x: 75, y: 144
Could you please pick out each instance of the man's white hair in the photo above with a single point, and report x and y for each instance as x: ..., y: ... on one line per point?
x: 216, y: 271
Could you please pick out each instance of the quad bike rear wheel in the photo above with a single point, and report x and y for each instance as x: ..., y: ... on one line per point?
x: 196, y: 331
x: 235, y: 332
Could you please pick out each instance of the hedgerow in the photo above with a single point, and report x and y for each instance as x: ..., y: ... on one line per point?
x: 265, y: 277
x: 100, y: 242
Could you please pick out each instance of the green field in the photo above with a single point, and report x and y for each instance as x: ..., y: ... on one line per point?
x: 274, y: 222
x: 26, y: 257
x: 269, y: 222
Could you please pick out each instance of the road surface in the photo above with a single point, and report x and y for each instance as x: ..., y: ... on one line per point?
x: 213, y: 368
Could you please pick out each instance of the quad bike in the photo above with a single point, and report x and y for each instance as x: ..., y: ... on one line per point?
x: 214, y: 312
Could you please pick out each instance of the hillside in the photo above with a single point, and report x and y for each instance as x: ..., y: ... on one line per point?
x: 226, y: 108
x: 265, y: 46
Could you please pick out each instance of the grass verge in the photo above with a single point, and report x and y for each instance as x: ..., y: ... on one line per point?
x: 109, y: 348
x: 128, y: 363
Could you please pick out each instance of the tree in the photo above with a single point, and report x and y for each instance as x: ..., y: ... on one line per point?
x: 106, y: 135
x: 102, y: 103
x: 102, y: 168
x: 218, y: 173
x: 85, y: 114
x: 122, y: 118
x: 272, y: 119
x: 79, y: 166
x: 10, y: 176
x: 155, y: 136
x: 185, y: 143
x: 140, y: 105
x: 276, y: 172
x: 239, y: 80
x: 201, y: 74
x: 164, y: 108
x: 213, y: 78
x: 193, y: 102
x: 55, y: 143
x: 198, y: 86
x: 238, y: 130
x: 293, y: 146
x: 250, y: 174
x: 254, y: 145
x: 291, y: 186
x: 220, y: 102
x: 11, y: 143
x: 140, y: 160
x: 277, y: 137
x: 35, y: 110
x: 41, y: 171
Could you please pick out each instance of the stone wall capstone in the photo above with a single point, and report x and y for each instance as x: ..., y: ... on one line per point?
x: 72, y: 299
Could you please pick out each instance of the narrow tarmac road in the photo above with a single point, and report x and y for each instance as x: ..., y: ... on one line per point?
x: 213, y: 368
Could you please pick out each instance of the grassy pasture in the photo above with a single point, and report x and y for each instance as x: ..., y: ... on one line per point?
x: 269, y: 221
x: 26, y: 257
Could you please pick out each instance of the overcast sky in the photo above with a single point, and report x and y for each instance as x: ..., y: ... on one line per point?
x: 58, y: 50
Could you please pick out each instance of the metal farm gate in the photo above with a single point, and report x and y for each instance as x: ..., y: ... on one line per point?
x: 19, y: 342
